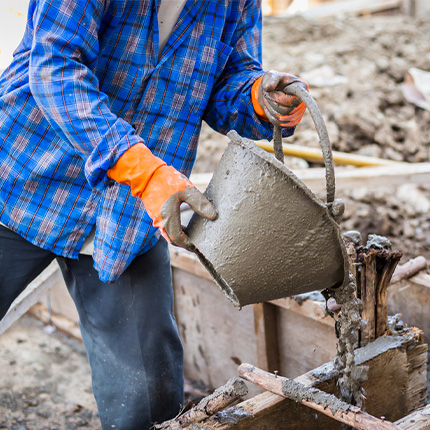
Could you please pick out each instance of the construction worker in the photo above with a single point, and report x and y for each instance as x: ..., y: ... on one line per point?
x: 100, y: 113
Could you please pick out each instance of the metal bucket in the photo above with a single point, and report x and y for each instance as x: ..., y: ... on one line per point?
x: 273, y: 237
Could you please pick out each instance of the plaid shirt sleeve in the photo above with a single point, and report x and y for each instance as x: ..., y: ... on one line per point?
x: 63, y: 59
x: 230, y: 106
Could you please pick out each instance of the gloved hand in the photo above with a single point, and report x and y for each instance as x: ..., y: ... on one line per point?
x: 272, y: 104
x: 162, y: 189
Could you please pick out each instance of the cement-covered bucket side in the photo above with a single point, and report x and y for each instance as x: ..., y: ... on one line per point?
x: 273, y: 237
x: 270, y: 237
x: 225, y: 288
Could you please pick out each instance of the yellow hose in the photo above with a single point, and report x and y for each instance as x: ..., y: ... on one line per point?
x: 340, y: 158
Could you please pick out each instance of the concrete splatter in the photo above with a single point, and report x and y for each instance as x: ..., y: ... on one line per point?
x: 351, y: 376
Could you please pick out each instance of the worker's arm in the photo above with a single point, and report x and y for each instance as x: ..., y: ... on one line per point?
x: 231, y: 106
x: 63, y: 60
x: 63, y: 82
x: 162, y: 189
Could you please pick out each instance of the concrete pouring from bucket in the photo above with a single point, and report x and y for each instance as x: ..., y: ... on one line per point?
x: 273, y: 237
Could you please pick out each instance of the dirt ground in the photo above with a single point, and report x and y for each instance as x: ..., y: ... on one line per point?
x: 355, y: 68
x: 44, y: 381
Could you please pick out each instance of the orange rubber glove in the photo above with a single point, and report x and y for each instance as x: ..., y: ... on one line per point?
x: 162, y: 189
x: 272, y: 104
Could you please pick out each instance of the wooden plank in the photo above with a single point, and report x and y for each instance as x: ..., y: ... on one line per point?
x: 220, y: 399
x: 411, y: 298
x: 303, y: 343
x: 417, y: 366
x: 417, y: 420
x: 422, y: 279
x: 62, y: 323
x: 308, y: 308
x: 350, y: 7
x: 314, y: 398
x: 366, y: 291
x: 409, y: 269
x: 384, y: 277
x: 346, y: 179
x: 185, y: 260
x: 215, y: 335
x: 386, y: 388
x: 31, y: 295
x: 374, y: 269
x: 266, y: 336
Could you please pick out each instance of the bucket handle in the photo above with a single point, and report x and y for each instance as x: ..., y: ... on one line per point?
x: 297, y: 90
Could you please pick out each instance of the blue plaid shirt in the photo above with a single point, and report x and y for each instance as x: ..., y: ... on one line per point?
x: 86, y: 84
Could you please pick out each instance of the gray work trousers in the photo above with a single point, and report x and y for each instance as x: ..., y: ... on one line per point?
x: 128, y: 329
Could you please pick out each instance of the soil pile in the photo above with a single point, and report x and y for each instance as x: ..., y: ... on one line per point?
x: 45, y: 380
x: 355, y: 68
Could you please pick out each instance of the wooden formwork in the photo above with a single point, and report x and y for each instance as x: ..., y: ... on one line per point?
x: 411, y: 298
x: 283, y: 335
x: 396, y: 387
x: 397, y: 383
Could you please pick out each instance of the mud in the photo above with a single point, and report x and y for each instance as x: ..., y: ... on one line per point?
x: 232, y: 416
x: 378, y: 242
x: 45, y: 380
x: 351, y: 376
x: 273, y: 237
x: 296, y: 391
x: 379, y: 346
x: 234, y: 387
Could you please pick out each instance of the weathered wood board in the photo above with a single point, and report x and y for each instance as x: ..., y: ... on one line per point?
x: 397, y: 373
x: 304, y: 343
x: 281, y: 335
x: 215, y: 335
x: 417, y: 420
x: 411, y: 298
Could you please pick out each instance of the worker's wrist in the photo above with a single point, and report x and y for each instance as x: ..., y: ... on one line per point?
x: 254, y: 98
x: 135, y: 168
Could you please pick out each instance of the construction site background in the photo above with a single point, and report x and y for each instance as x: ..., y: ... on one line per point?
x: 355, y: 65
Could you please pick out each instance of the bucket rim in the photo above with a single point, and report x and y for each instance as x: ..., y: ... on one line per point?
x: 248, y: 144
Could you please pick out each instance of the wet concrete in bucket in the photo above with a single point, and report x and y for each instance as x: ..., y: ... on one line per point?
x: 298, y: 247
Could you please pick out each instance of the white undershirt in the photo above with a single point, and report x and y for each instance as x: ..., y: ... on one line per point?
x: 168, y: 14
